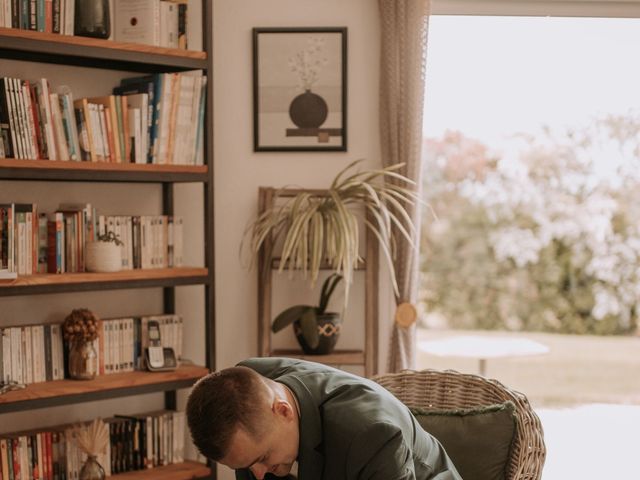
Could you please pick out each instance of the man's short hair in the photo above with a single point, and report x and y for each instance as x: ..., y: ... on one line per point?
x: 220, y: 403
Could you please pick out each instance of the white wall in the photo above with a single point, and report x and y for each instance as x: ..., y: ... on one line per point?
x: 239, y: 171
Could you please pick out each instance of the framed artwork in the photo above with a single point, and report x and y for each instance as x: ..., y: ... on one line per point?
x: 300, y: 89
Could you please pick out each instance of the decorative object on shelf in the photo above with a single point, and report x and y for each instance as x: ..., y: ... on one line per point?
x: 325, y: 227
x: 92, y: 18
x: 9, y: 386
x: 104, y: 254
x: 316, y: 329
x: 92, y: 439
x: 80, y: 329
x: 299, y: 89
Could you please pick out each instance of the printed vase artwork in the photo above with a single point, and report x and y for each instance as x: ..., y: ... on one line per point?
x: 308, y: 110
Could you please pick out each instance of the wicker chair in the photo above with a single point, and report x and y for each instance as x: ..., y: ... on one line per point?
x: 450, y: 390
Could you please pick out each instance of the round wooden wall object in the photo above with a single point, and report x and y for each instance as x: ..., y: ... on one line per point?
x: 406, y: 315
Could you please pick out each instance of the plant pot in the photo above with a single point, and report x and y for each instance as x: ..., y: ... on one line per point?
x: 103, y: 257
x: 83, y: 361
x: 308, y: 110
x: 329, y: 325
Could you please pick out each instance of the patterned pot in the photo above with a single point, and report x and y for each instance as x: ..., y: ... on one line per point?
x: 329, y: 325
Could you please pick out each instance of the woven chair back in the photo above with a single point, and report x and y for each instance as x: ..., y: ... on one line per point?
x: 451, y: 390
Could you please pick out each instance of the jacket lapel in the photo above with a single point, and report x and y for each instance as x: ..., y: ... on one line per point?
x: 310, y: 457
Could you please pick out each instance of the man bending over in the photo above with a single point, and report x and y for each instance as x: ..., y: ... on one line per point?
x: 266, y: 414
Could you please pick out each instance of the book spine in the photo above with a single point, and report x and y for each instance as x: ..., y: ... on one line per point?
x: 47, y: 353
x: 48, y: 16
x: 55, y: 16
x: 40, y: 15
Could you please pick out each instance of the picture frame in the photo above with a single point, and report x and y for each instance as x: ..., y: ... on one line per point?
x: 300, y: 89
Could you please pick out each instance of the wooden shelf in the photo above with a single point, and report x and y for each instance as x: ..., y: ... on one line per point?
x: 78, y: 282
x: 15, y: 169
x: 92, y: 52
x: 275, y: 265
x: 177, y: 471
x: 338, y: 357
x: 63, y: 392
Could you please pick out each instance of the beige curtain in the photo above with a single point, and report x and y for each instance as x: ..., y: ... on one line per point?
x: 404, y: 25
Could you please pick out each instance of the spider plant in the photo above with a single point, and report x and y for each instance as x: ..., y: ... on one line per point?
x: 324, y: 227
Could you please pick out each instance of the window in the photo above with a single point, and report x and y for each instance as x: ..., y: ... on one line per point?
x: 532, y: 136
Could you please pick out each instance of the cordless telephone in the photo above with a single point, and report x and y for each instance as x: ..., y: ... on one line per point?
x: 157, y: 357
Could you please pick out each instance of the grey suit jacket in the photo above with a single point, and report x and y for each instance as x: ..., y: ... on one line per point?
x: 352, y: 428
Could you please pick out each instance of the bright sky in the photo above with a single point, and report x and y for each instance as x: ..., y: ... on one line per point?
x: 487, y: 76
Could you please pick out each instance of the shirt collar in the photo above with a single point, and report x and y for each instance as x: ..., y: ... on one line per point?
x: 310, y: 458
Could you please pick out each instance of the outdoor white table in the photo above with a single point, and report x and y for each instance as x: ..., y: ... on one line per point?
x: 482, y: 348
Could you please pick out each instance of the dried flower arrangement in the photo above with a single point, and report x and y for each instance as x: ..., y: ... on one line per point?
x: 92, y: 439
x: 80, y: 326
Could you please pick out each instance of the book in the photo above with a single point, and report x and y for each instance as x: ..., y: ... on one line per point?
x: 112, y: 124
x: 168, y: 24
x: 137, y: 21
x: 7, y: 128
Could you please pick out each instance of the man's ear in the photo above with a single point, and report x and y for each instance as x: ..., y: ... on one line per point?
x: 283, y: 408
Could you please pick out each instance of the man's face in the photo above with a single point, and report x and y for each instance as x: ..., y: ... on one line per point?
x: 274, y: 451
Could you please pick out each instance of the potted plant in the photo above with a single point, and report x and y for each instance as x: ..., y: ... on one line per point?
x: 103, y: 255
x: 316, y: 329
x: 315, y: 229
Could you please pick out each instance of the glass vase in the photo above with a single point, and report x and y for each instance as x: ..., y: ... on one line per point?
x: 83, y: 361
x: 91, y: 470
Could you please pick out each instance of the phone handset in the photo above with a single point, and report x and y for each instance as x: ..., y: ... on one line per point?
x: 155, y: 354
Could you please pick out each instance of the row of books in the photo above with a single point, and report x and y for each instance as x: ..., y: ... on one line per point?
x: 152, y: 119
x: 121, y: 342
x: 36, y: 353
x: 32, y: 242
x: 162, y: 23
x: 135, y: 443
x: 31, y: 354
x: 50, y: 16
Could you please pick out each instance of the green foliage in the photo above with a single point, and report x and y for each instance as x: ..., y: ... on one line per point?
x: 555, y: 250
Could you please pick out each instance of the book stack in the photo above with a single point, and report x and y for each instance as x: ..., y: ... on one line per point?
x: 135, y: 443
x: 32, y: 242
x: 153, y: 119
x: 148, y: 241
x: 35, y: 123
x: 31, y: 354
x: 175, y: 121
x: 162, y: 23
x: 50, y: 16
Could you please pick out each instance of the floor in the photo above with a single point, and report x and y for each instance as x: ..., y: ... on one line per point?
x: 586, y: 390
x: 589, y: 442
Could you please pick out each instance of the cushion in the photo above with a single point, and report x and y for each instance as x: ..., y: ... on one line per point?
x: 478, y: 441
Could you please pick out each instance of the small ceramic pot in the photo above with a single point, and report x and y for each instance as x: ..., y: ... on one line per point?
x: 329, y: 325
x: 103, y: 257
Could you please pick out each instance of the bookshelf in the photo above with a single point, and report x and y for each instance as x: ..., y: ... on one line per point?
x: 365, y: 357
x: 53, y: 49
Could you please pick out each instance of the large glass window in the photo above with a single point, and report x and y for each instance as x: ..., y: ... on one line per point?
x: 532, y: 247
